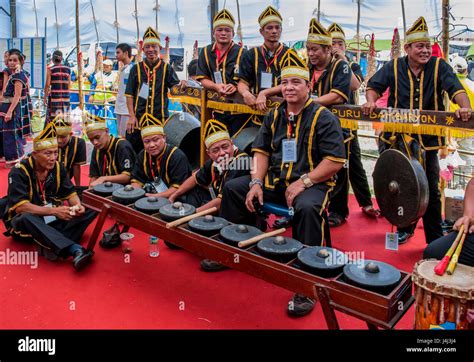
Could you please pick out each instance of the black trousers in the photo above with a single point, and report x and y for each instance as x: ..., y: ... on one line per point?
x: 432, y: 217
x: 438, y: 248
x: 56, y: 237
x: 197, y: 197
x: 355, y: 174
x: 135, y: 139
x: 309, y: 206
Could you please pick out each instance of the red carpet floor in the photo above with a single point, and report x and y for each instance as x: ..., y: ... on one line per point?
x: 170, y: 292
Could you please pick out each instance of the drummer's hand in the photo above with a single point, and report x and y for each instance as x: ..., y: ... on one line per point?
x: 131, y: 123
x: 255, y: 192
x: 230, y: 89
x: 464, y: 114
x: 467, y: 221
x: 293, y: 191
x: 78, y: 210
x: 98, y: 181
x: 62, y: 212
x: 262, y: 102
x: 368, y: 108
x: 470, y: 316
x: 249, y: 99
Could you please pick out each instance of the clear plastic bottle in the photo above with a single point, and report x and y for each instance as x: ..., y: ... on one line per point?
x: 154, y: 249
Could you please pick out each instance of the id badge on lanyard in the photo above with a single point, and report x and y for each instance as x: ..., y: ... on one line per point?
x: 289, y: 150
x: 218, y: 77
x: 49, y: 219
x: 159, y: 185
x: 266, y: 80
x: 144, y: 91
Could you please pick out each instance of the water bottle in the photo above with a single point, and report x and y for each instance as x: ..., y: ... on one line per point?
x: 154, y: 249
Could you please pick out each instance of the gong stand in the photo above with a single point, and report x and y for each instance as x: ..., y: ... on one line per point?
x: 377, y: 310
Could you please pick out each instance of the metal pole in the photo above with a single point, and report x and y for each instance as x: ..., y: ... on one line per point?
x: 116, y: 22
x: 95, y: 23
x: 57, y: 24
x: 358, y: 31
x: 404, y: 18
x: 79, y: 58
x: 36, y: 17
x: 446, y: 28
x: 157, y: 7
x: 319, y: 10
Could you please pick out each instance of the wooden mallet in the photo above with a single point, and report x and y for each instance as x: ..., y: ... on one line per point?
x: 454, y: 259
x: 440, y: 268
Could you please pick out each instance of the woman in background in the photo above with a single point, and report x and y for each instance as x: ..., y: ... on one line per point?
x: 11, y: 110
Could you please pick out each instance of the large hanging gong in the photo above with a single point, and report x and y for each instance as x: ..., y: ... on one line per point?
x: 183, y: 131
x: 401, y: 188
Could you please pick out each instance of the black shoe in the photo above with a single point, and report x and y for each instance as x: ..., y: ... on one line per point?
x: 172, y: 246
x: 111, y: 238
x: 335, y: 220
x: 300, y: 306
x: 209, y: 265
x: 82, y: 258
x: 403, y: 237
x: 283, y: 222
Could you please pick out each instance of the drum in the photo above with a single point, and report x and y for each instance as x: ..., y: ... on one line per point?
x: 442, y: 302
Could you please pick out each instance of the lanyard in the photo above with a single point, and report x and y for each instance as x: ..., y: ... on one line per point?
x: 275, y: 56
x: 313, y: 78
x: 153, y: 72
x: 104, y: 165
x: 291, y: 124
x: 158, y: 163
x: 222, y: 58
x: 42, y: 190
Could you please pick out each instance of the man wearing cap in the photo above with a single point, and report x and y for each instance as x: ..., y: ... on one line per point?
x: 37, y: 189
x: 259, y: 70
x: 204, y: 188
x: 160, y: 168
x: 217, y: 66
x: 71, y: 149
x: 112, y: 160
x: 330, y: 80
x: 417, y: 82
x: 147, y: 88
x: 112, y: 157
x: 339, y: 208
x: 297, y: 152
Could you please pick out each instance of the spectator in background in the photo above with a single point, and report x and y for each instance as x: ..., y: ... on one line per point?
x: 459, y: 65
x: 56, y: 89
x: 124, y: 56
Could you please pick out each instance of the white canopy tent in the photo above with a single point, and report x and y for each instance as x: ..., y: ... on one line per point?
x: 185, y: 21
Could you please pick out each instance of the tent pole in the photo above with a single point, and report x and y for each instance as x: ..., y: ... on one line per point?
x: 36, y: 17
x: 446, y: 29
x: 116, y: 22
x: 319, y: 10
x: 358, y: 31
x: 95, y: 23
x: 79, y: 58
x: 157, y: 7
x: 404, y: 18
x: 136, y: 20
x: 57, y: 24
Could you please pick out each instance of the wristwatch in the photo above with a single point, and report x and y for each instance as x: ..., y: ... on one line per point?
x: 256, y: 181
x: 307, y: 182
